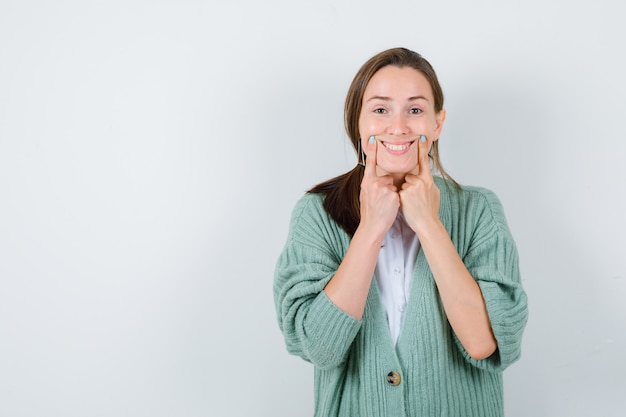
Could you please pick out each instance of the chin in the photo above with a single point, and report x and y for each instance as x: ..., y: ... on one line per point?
x: 398, y: 169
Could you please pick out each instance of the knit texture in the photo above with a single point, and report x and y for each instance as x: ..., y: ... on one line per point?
x: 352, y: 358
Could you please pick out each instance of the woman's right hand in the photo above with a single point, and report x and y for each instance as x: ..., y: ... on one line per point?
x: 380, y: 202
x: 379, y: 197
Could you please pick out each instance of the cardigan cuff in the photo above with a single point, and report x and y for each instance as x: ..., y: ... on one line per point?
x: 506, y: 306
x: 330, y: 332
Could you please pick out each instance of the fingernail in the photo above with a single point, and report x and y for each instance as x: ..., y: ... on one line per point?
x: 423, y: 138
x: 372, y: 139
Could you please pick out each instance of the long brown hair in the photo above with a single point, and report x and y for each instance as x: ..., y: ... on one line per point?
x: 342, y: 193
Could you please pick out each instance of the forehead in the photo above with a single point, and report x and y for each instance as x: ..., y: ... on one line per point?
x: 398, y: 82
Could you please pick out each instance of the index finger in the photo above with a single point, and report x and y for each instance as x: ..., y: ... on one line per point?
x: 370, y: 161
x: 422, y: 157
x: 416, y: 170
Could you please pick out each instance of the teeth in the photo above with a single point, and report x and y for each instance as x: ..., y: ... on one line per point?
x: 393, y: 147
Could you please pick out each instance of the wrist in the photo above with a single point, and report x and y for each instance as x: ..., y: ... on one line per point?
x: 370, y: 236
x: 429, y: 228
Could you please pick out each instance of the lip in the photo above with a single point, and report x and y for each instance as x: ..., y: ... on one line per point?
x: 397, y: 148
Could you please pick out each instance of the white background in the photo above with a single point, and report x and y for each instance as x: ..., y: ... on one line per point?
x: 151, y: 153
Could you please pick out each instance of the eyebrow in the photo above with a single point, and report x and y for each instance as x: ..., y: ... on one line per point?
x: 385, y: 98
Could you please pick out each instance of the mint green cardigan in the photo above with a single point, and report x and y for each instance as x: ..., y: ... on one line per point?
x: 353, y: 358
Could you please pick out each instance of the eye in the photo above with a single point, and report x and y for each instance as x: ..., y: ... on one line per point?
x: 415, y: 110
x: 380, y: 110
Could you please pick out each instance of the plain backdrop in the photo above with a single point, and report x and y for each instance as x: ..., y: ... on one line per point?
x: 151, y: 153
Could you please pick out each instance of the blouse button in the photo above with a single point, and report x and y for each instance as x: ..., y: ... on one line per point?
x: 393, y: 378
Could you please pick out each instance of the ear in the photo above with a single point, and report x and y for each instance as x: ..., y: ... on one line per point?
x: 440, y: 118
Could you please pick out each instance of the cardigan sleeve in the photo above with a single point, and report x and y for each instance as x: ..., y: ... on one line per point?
x: 492, y: 259
x: 313, y: 327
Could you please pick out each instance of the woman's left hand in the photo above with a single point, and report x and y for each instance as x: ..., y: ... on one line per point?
x: 419, y: 196
x: 460, y: 294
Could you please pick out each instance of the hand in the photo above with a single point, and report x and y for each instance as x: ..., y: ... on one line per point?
x: 419, y: 196
x: 379, y: 197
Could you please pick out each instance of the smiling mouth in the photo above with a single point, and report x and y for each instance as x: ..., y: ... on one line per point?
x: 397, y: 147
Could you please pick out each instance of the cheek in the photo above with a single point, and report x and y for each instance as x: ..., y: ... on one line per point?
x: 370, y: 121
x: 367, y: 126
x: 425, y: 125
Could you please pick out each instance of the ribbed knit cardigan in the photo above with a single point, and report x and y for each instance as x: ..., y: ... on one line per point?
x: 352, y: 358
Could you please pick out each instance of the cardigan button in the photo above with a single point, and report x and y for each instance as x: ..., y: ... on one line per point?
x: 393, y: 378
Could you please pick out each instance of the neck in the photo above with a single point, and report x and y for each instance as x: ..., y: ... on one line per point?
x: 398, y: 180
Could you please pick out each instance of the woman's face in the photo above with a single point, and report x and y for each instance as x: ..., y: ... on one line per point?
x: 398, y: 107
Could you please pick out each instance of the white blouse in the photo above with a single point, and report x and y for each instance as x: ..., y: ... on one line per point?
x: 394, y: 272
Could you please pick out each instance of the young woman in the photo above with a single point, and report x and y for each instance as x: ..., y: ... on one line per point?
x: 402, y: 288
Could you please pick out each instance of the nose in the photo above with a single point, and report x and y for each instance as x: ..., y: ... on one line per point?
x: 398, y: 125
